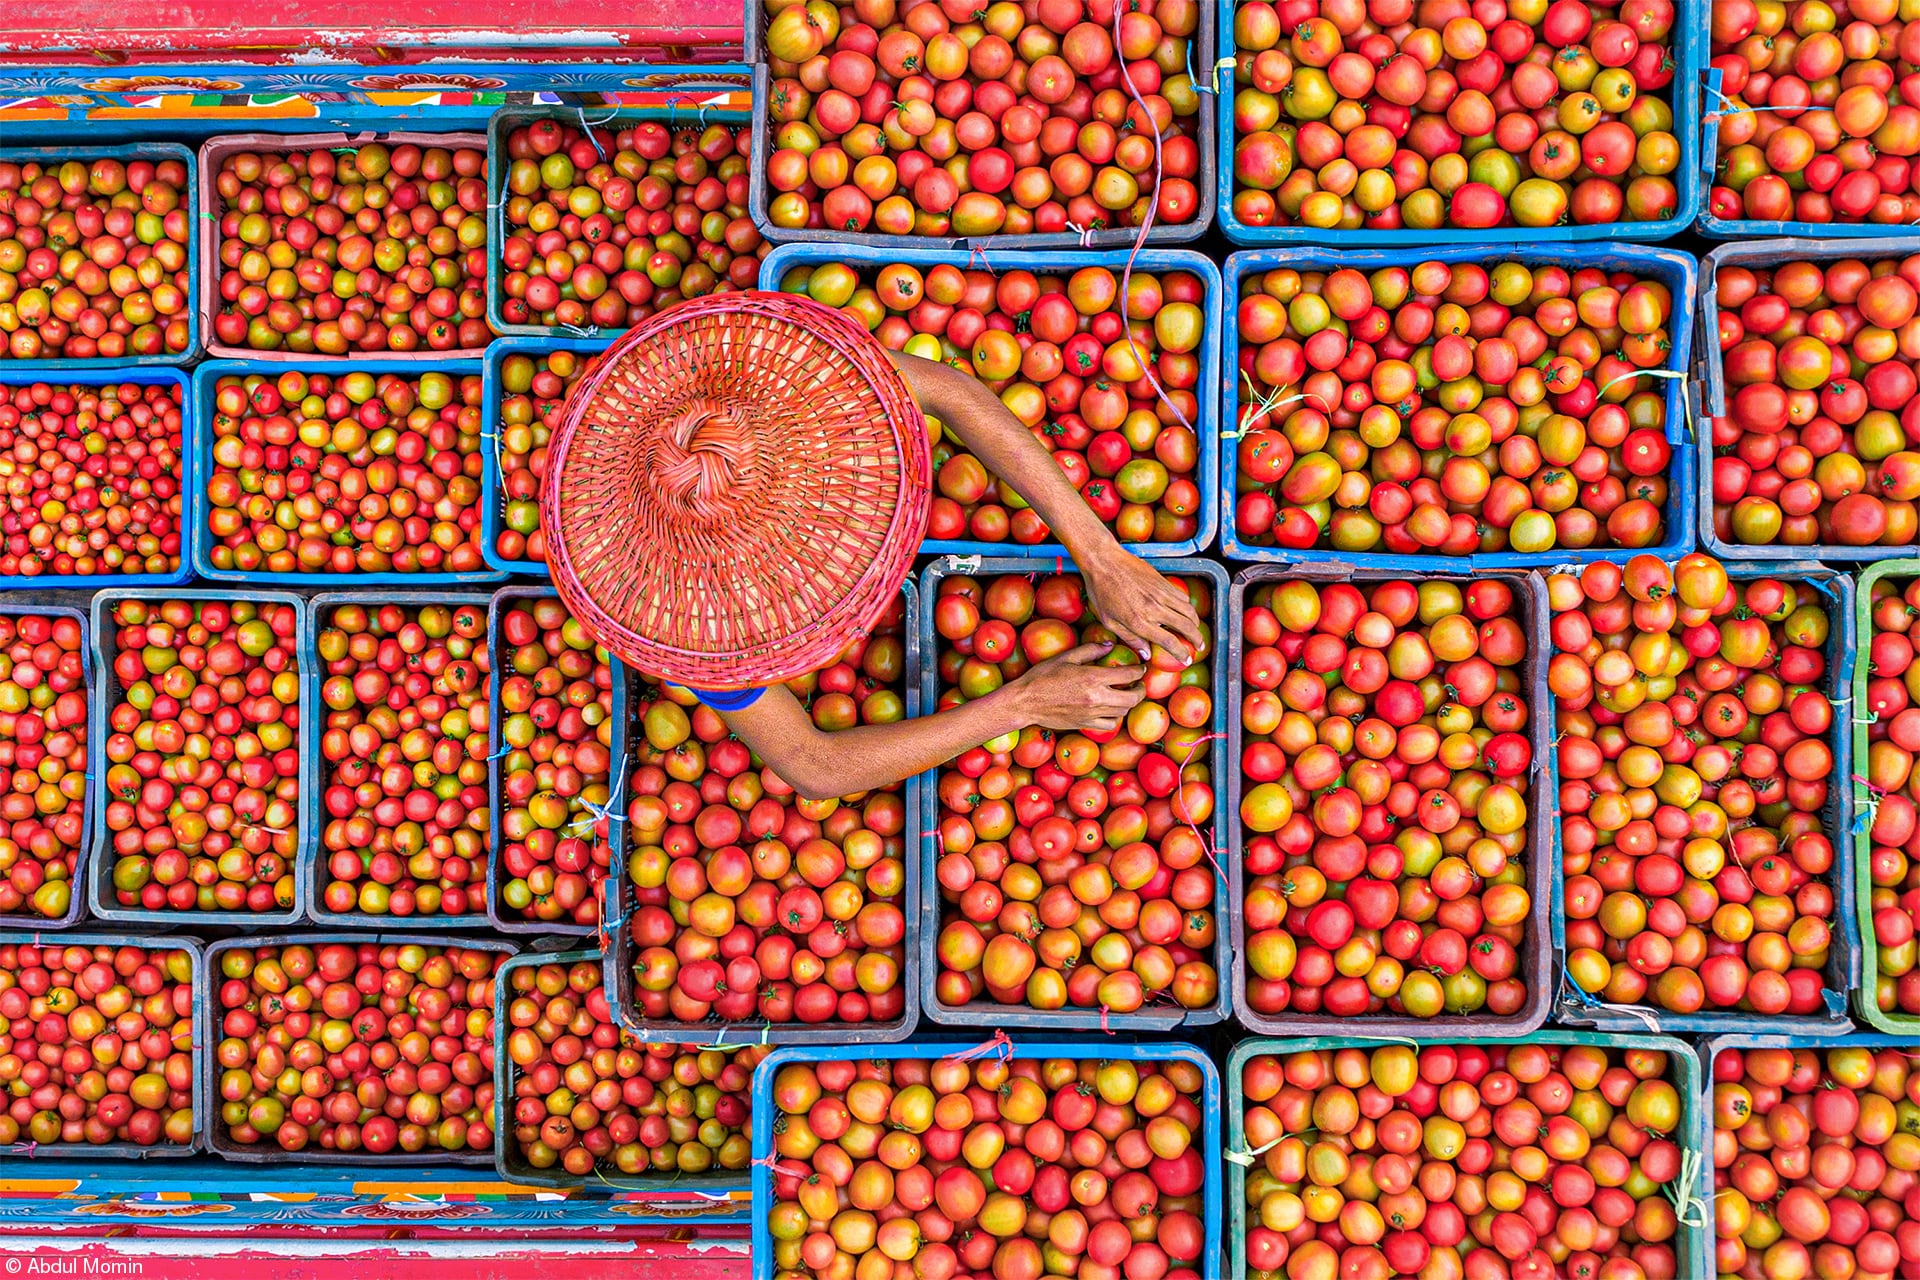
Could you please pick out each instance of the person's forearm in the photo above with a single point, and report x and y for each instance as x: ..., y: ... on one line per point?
x: 876, y: 756
x: 1007, y: 448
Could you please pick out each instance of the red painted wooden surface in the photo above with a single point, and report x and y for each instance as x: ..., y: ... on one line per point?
x: 53, y: 31
x: 333, y: 1260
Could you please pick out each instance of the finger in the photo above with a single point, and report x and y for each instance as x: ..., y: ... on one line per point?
x: 1170, y: 642
x: 1080, y: 655
x: 1105, y: 724
x: 1133, y: 639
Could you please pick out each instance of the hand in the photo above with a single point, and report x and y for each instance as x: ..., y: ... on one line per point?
x: 1142, y: 606
x: 1069, y: 692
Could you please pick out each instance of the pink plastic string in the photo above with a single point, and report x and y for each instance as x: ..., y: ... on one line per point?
x: 1000, y: 1047
x: 1146, y: 226
x: 771, y: 1162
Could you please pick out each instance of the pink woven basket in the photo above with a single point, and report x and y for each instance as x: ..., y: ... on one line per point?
x: 737, y: 491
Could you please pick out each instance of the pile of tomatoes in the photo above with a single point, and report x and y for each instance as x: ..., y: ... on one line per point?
x: 555, y: 765
x: 1453, y: 408
x: 202, y: 782
x: 951, y: 118
x: 1537, y: 1160
x: 92, y: 479
x: 750, y: 902
x: 96, y: 1045
x: 605, y: 228
x: 1810, y: 127
x: 1813, y: 1156
x: 533, y: 397
x: 1016, y: 1168
x: 43, y: 761
x: 93, y: 259
x: 1386, y: 746
x: 1693, y: 765
x: 357, y: 1047
x: 586, y: 1096
x: 357, y: 473
x: 1892, y: 714
x: 367, y: 248
x: 1075, y: 868
x: 1821, y: 438
x: 1110, y: 385
x: 1384, y: 114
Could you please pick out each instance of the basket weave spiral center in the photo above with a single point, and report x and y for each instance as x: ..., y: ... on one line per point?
x: 736, y: 490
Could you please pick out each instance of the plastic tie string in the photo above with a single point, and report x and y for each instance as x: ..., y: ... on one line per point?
x: 1000, y: 1047
x: 771, y: 1162
x: 588, y: 126
x: 1688, y: 1208
x: 576, y: 331
x: 1869, y: 807
x: 1587, y: 1000
x: 1245, y: 1159
x: 720, y: 1044
x: 1086, y: 237
x: 1672, y: 375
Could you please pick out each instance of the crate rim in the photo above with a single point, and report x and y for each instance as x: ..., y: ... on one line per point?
x: 151, y: 375
x: 18, y: 603
x: 140, y: 150
x: 316, y: 939
x: 1213, y: 1190
x: 492, y: 475
x: 1157, y: 1019
x: 1206, y: 36
x: 1685, y: 1062
x: 1538, y: 947
x: 619, y: 973
x: 1844, y: 960
x: 201, y: 1025
x: 1712, y: 374
x: 1687, y: 43
x: 313, y: 809
x: 100, y: 878
x: 502, y: 121
x: 206, y: 376
x: 1672, y: 267
x: 1865, y: 1001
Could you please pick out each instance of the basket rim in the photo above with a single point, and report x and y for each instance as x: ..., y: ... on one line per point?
x: 866, y: 585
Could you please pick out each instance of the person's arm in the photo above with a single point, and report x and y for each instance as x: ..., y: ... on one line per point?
x: 1067, y: 692
x: 1134, y: 599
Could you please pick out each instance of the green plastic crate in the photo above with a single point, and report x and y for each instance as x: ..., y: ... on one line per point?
x: 1864, y: 1002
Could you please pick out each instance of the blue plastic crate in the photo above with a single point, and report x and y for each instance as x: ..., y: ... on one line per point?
x: 505, y: 121
x: 313, y: 802
x: 1842, y: 970
x: 42, y: 604
x: 920, y: 254
x: 1683, y: 1073
x: 155, y: 151
x: 1763, y: 254
x: 1537, y: 962
x: 202, y: 1039
x: 106, y: 692
x: 497, y: 917
x: 89, y: 373
x: 619, y: 942
x: 217, y: 1141
x: 493, y: 477
x: 1670, y: 267
x: 200, y: 450
x: 1202, y: 50
x: 726, y: 1186
x: 1151, y: 1019
x: 1688, y: 45
x: 1104, y: 1048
